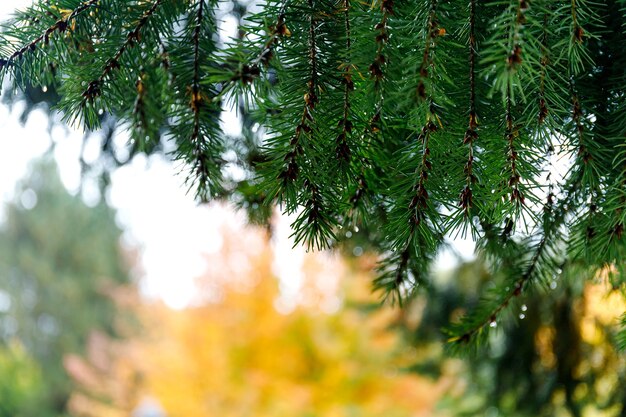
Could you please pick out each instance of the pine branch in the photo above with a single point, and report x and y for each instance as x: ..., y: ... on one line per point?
x: 517, y: 197
x: 133, y: 37
x: 277, y: 31
x: 432, y: 32
x: 374, y: 127
x: 392, y: 278
x: 376, y: 68
x: 251, y: 71
x: 543, y: 106
x: 353, y: 114
x: 411, y: 242
x: 473, y: 329
x: 471, y: 134
x: 511, y: 132
x: 60, y: 26
x: 342, y: 149
x: 201, y: 168
x: 140, y: 104
x: 419, y: 202
x: 291, y: 171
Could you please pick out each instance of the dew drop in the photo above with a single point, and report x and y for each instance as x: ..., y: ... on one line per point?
x: 553, y: 285
x: 44, y: 88
x: 348, y: 234
x: 493, y: 324
x: 356, y: 229
x: 101, y: 112
x: 522, y: 316
x: 524, y: 307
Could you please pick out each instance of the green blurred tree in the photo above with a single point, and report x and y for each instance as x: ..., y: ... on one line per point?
x: 558, y: 355
x: 20, y: 381
x: 59, y: 261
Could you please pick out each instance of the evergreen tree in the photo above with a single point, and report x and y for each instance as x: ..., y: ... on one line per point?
x: 59, y: 262
x: 414, y: 121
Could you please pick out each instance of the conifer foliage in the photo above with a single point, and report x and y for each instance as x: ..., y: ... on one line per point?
x: 415, y: 121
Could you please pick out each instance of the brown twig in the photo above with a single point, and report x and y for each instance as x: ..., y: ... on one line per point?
x: 60, y: 25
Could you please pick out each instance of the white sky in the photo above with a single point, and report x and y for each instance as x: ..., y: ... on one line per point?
x: 171, y: 231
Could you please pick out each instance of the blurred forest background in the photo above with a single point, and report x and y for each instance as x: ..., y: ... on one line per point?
x: 77, y: 338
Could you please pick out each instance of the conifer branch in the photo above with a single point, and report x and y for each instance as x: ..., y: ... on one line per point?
x: 403, y: 172
x: 196, y: 96
x: 420, y: 199
x: 380, y: 61
x: 432, y: 32
x: 140, y: 106
x: 577, y: 114
x: 60, y: 25
x: 400, y: 274
x: 276, y: 32
x: 543, y: 107
x: 511, y: 131
x: 377, y: 67
x: 317, y: 232
x: 342, y: 149
x: 587, y: 160
x: 577, y: 53
x: 577, y: 31
x: 419, y: 202
x: 517, y: 197
x: 252, y: 70
x: 471, y: 134
x: 473, y: 326
x: 313, y: 226
x: 202, y: 161
x: 133, y: 37
x: 311, y: 97
x: 290, y: 172
x: 377, y: 73
x: 515, y: 59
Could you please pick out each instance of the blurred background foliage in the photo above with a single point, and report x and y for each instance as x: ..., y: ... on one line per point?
x: 234, y: 353
x: 20, y: 380
x: 556, y: 357
x: 59, y: 261
x: 78, y: 338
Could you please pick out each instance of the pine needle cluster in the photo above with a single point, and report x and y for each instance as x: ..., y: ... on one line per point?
x: 415, y: 121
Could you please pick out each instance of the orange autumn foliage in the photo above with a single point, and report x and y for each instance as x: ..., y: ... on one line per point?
x: 234, y: 354
x: 239, y: 356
